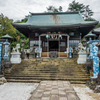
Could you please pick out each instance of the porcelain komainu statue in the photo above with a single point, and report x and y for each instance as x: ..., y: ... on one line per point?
x: 16, y: 49
x: 82, y: 54
x: 81, y: 48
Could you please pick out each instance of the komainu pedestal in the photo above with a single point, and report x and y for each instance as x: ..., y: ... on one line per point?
x: 15, y: 55
x: 82, y: 58
x: 15, y: 58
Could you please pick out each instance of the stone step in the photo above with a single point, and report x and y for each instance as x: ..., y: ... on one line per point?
x: 38, y: 81
x: 51, y: 75
x: 31, y: 69
x: 25, y: 81
x: 50, y: 78
x: 52, y: 72
x: 48, y: 74
x: 78, y: 82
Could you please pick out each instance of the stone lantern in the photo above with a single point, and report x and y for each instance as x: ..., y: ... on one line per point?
x: 22, y: 52
x: 7, y: 37
x: 6, y: 51
x: 98, y: 78
x: 90, y: 36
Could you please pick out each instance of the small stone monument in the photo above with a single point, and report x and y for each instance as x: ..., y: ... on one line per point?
x: 82, y: 52
x: 15, y: 55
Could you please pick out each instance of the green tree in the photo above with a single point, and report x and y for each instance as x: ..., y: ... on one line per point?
x: 6, y: 27
x: 88, y: 13
x: 76, y: 6
x: 85, y: 10
x: 54, y: 9
x: 22, y: 20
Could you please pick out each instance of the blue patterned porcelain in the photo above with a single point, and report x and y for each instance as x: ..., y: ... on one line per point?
x: 6, y: 55
x: 95, y: 60
x: 93, y: 55
x: 70, y: 55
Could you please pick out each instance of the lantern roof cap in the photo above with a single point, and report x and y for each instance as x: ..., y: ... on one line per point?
x: 7, y: 37
x: 90, y: 35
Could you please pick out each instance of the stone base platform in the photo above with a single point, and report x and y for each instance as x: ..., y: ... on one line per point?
x: 54, y: 90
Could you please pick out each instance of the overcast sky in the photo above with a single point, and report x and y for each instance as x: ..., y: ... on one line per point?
x: 18, y: 9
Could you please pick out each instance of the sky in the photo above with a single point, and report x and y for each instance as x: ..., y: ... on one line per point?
x: 18, y: 9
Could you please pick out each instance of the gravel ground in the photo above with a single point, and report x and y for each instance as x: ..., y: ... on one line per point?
x: 85, y: 93
x: 22, y: 91
x: 16, y: 91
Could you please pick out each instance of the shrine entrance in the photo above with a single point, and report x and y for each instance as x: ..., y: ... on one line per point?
x: 53, y: 45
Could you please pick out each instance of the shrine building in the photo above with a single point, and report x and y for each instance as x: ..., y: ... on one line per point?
x: 55, y: 32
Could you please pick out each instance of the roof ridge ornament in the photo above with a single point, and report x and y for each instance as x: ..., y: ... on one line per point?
x: 30, y: 14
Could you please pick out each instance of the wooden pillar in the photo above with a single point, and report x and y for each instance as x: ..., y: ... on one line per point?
x: 48, y: 48
x: 80, y: 37
x: 39, y: 46
x: 59, y: 45
x: 29, y: 41
x: 67, y: 45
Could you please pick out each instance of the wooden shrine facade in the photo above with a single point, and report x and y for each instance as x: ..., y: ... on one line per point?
x: 58, y: 42
x: 55, y: 31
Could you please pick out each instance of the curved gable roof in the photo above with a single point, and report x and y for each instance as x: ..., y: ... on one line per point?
x: 54, y: 19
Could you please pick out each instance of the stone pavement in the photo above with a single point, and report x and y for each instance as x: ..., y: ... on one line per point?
x: 54, y: 90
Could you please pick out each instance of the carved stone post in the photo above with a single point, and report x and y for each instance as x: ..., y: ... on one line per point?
x: 2, y: 66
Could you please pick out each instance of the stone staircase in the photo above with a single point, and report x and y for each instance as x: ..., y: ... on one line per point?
x: 36, y: 70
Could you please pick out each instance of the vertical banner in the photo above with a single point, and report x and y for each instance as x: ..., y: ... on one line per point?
x: 95, y: 60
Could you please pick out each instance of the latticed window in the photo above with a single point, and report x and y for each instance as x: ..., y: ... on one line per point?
x: 73, y: 43
x: 34, y: 43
